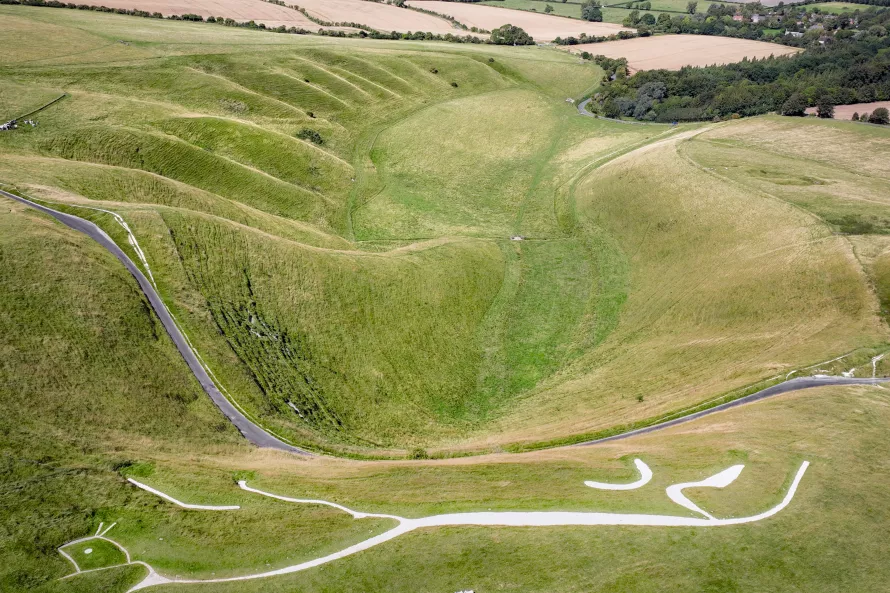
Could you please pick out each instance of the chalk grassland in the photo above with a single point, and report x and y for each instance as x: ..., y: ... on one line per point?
x: 541, y: 27
x: 200, y: 155
x: 672, y: 52
x: 397, y: 226
x: 87, y: 429
x: 847, y: 111
x: 689, y: 256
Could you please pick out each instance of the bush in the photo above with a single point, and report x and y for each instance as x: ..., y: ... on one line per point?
x: 233, y: 106
x: 418, y: 453
x: 880, y: 116
x: 310, y: 135
x: 454, y: 84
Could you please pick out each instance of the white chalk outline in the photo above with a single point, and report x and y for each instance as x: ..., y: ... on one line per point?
x: 645, y: 477
x: 505, y: 519
x: 197, y: 507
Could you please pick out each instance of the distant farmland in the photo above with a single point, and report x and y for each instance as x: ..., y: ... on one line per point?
x: 382, y: 17
x: 847, y: 111
x: 540, y: 26
x: 672, y: 52
x: 267, y: 13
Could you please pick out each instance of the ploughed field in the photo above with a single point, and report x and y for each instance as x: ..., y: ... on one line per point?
x: 672, y: 52
x: 542, y: 27
x: 847, y: 111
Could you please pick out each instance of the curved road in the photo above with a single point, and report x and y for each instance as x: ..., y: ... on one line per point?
x: 784, y: 387
x: 251, y: 431
x: 258, y: 436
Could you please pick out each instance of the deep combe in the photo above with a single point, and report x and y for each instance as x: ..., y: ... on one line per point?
x: 444, y: 297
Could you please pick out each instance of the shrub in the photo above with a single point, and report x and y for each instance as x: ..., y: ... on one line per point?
x: 310, y: 135
x: 454, y: 84
x: 418, y: 453
x: 234, y: 106
x: 880, y: 116
x: 855, y: 116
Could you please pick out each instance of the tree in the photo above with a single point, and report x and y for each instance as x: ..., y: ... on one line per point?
x: 880, y: 116
x: 648, y: 19
x: 632, y: 18
x: 794, y: 105
x: 691, y: 6
x: 548, y: 9
x: 511, y: 35
x: 863, y: 117
x: 855, y: 116
x: 664, y: 20
x: 825, y: 107
x: 591, y: 10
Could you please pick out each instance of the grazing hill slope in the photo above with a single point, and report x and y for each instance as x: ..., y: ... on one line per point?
x: 363, y: 295
x: 331, y: 221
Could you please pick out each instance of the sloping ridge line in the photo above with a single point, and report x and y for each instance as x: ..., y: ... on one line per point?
x: 259, y: 437
x: 248, y: 429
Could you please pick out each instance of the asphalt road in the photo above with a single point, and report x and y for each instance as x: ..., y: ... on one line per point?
x: 784, y: 387
x: 261, y: 438
x: 251, y: 431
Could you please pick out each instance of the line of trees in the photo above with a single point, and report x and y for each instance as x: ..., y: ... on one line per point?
x: 843, y: 71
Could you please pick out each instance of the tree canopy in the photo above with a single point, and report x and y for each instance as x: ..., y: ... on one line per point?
x: 511, y: 35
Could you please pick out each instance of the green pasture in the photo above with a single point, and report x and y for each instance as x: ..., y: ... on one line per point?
x: 393, y: 249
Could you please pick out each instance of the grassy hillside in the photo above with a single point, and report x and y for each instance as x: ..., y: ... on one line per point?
x: 363, y: 295
x: 331, y: 221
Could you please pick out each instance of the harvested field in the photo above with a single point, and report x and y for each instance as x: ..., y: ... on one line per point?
x: 267, y: 13
x: 540, y: 26
x: 847, y: 111
x: 382, y: 17
x: 672, y: 52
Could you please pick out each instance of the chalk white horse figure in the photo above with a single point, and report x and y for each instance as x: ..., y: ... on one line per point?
x: 504, y: 518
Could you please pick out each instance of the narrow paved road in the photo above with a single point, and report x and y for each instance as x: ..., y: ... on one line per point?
x: 784, y: 387
x: 251, y: 431
x: 256, y: 435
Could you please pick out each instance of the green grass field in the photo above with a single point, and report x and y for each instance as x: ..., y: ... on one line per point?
x: 363, y: 296
x: 834, y: 7
x: 611, y: 14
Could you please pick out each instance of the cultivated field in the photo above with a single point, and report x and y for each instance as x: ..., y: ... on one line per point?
x: 672, y: 52
x: 378, y: 15
x: 847, y: 111
x: 267, y: 13
x: 540, y: 26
